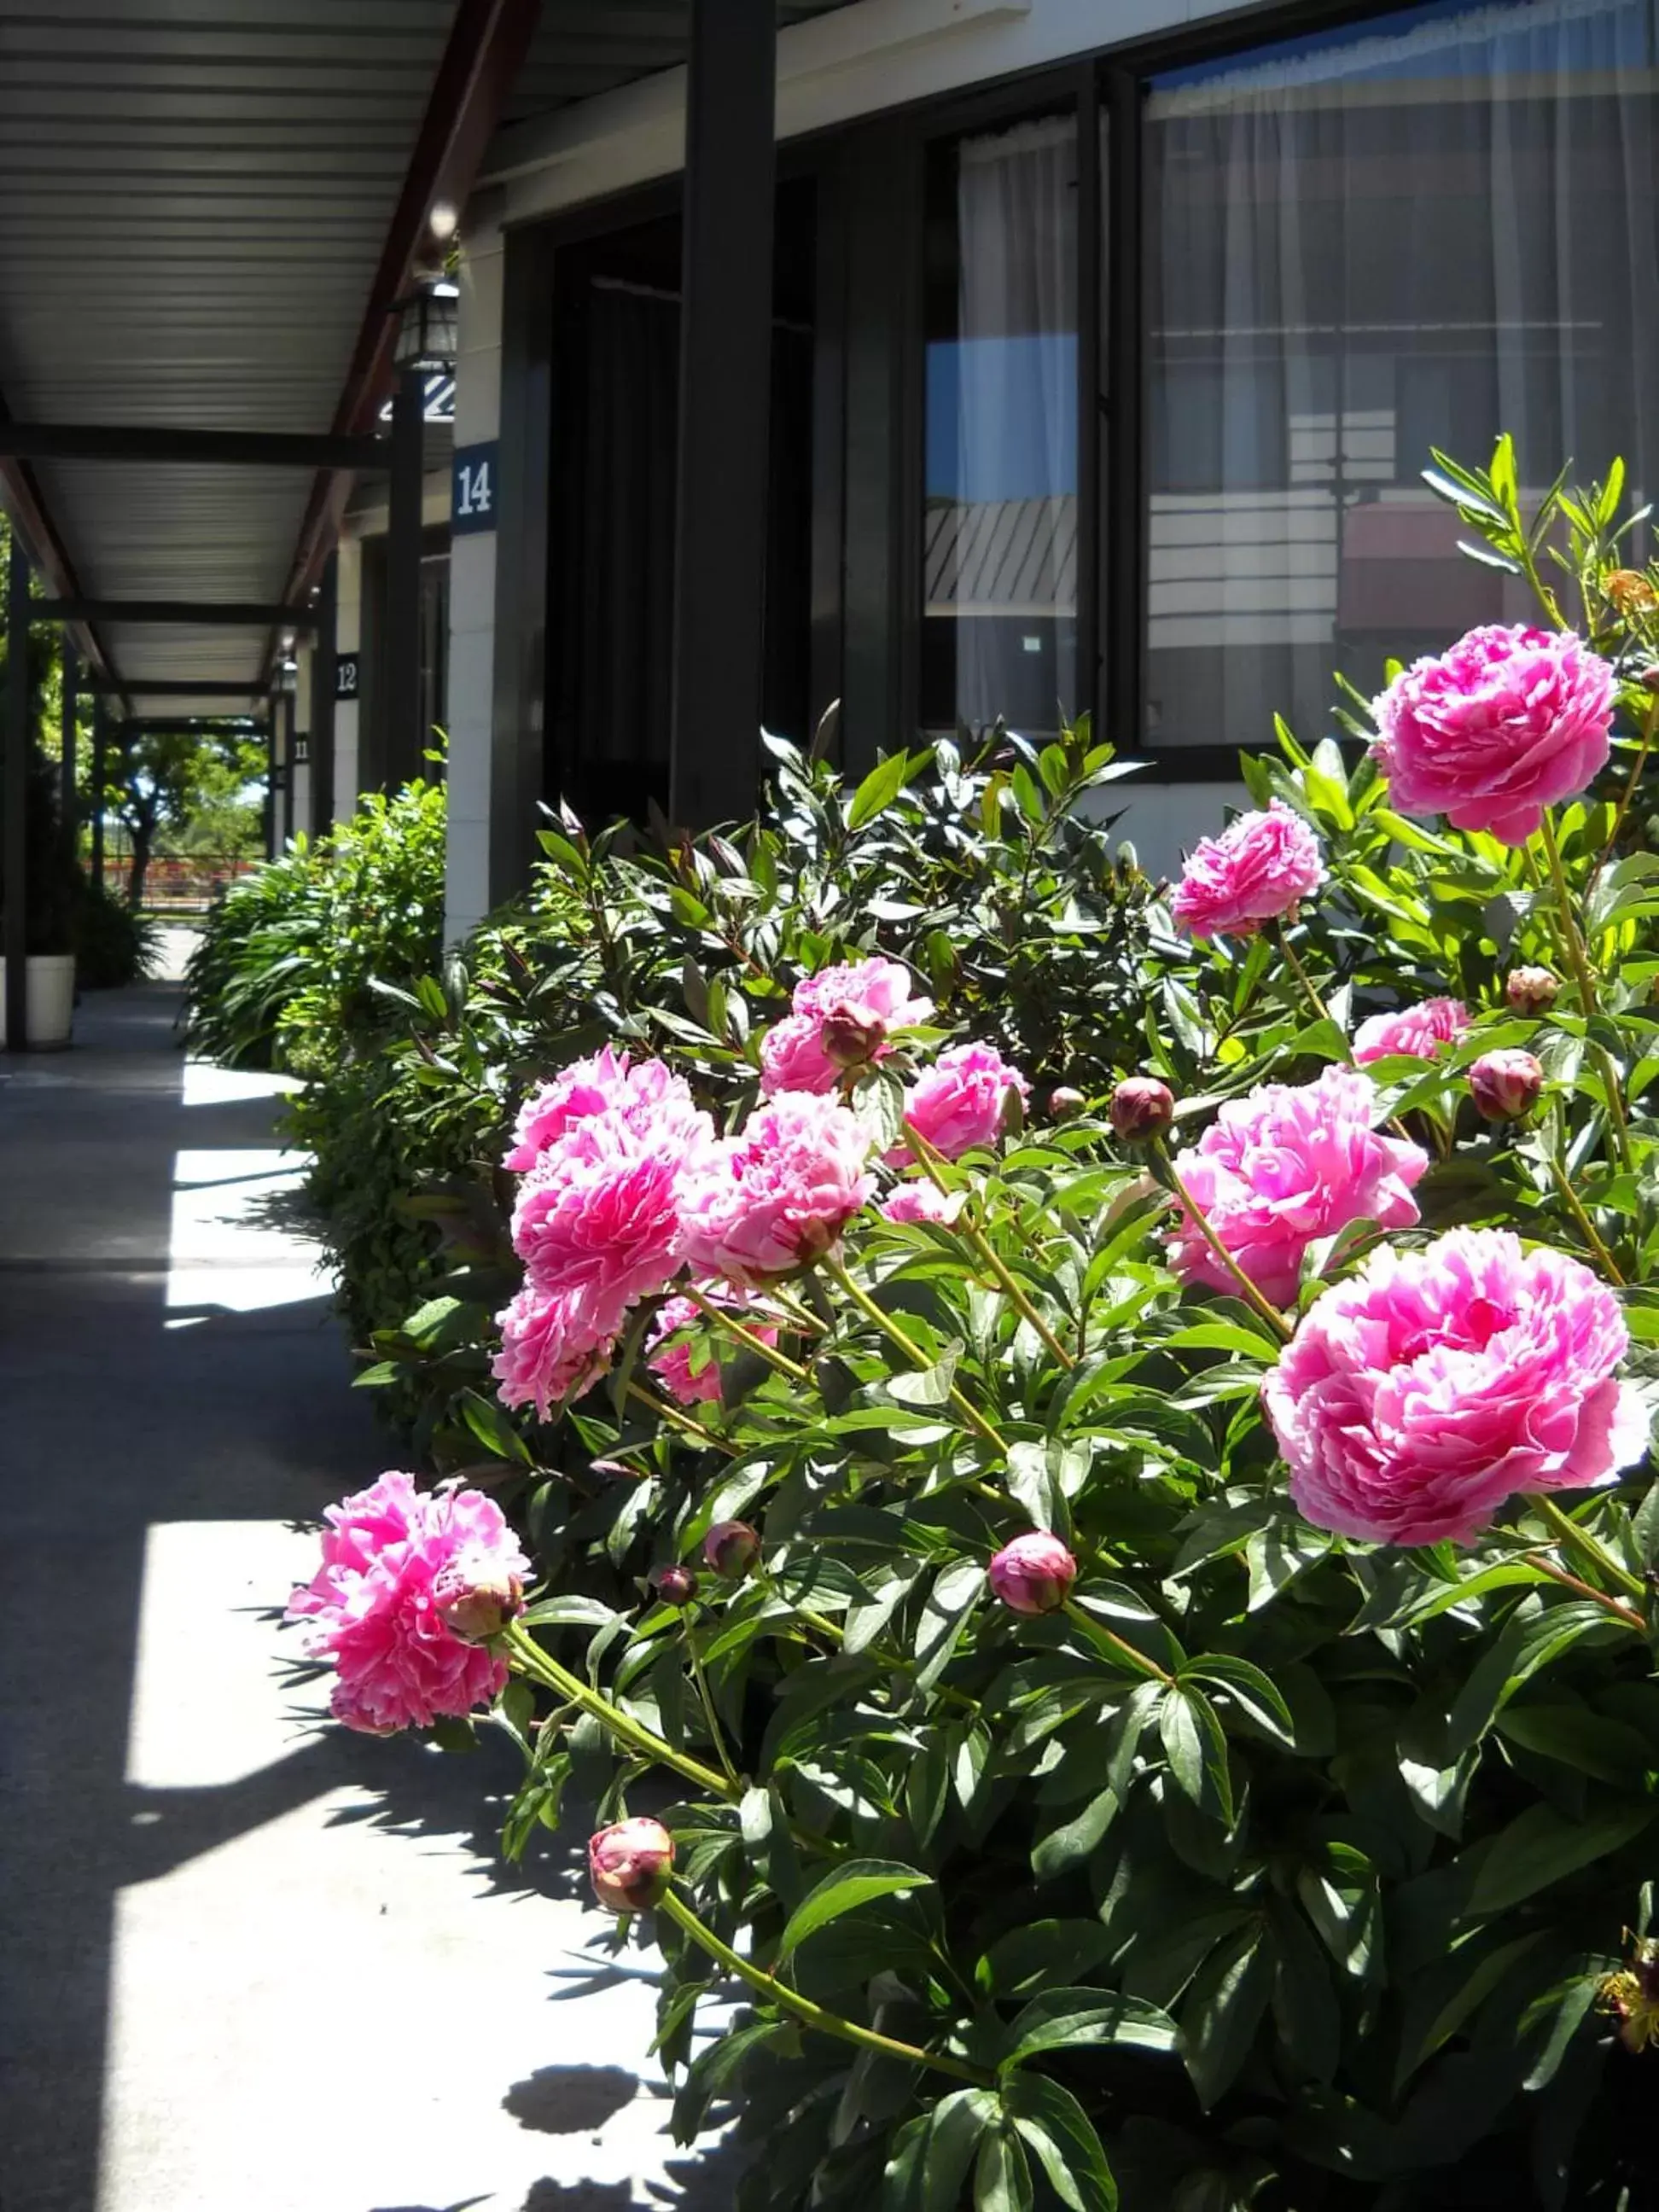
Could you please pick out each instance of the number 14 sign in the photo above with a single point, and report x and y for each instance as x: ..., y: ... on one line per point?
x: 472, y: 488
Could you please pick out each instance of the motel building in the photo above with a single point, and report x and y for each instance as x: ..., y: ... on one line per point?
x: 597, y: 382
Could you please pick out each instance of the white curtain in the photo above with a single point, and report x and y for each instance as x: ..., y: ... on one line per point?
x: 1385, y: 240
x: 1013, y: 575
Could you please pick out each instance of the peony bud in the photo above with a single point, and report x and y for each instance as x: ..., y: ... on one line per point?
x: 850, y: 1042
x: 1630, y: 592
x: 1033, y: 1574
x: 476, y: 1598
x: 631, y: 1863
x: 1064, y: 1103
x: 1532, y: 990
x: 731, y: 1548
x: 1141, y: 1108
x: 675, y: 1585
x: 1504, y: 1085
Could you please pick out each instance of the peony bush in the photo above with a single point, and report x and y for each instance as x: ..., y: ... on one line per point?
x: 1113, y: 1606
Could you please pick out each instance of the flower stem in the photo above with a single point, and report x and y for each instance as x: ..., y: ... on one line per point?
x: 1322, y: 1011
x: 717, y: 1733
x: 803, y: 2008
x: 1587, y: 1228
x: 1619, y: 1612
x: 912, y: 1352
x: 1098, y: 1632
x: 982, y: 1243
x: 1269, y: 1313
x: 725, y: 1318
x: 1574, y: 944
x: 533, y: 1661
x: 1570, y: 1533
x: 683, y: 1422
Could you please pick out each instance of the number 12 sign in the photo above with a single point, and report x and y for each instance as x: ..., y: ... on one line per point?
x: 472, y: 488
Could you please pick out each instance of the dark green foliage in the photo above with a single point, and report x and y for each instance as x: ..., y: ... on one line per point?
x: 113, y: 945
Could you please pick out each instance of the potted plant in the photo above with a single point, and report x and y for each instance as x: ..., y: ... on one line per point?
x: 54, y: 882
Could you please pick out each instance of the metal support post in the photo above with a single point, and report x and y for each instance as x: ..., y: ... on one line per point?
x: 100, y: 771
x: 16, y: 789
x: 68, y: 799
x: 403, y: 742
x: 322, y: 679
x: 726, y: 378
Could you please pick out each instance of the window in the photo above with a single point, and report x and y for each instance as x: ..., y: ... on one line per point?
x: 1361, y: 243
x: 1000, y: 521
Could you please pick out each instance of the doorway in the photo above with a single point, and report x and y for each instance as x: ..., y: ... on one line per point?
x: 614, y: 452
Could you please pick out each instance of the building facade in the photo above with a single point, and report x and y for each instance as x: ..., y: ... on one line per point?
x: 1109, y: 340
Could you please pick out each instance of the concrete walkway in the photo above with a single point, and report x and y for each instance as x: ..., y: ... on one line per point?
x: 248, y: 1964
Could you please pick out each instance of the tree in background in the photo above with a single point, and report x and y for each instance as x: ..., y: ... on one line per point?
x: 163, y: 785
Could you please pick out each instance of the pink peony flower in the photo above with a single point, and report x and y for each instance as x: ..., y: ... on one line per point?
x: 399, y: 1570
x: 646, y: 1097
x: 1261, y: 868
x: 1489, y: 734
x: 922, y: 1201
x: 1420, y: 1395
x: 1531, y: 990
x: 1033, y: 1574
x: 776, y: 1196
x: 672, y: 1363
x: 965, y: 1101
x: 631, y: 1863
x: 1283, y: 1167
x: 841, y: 1018
x: 793, y: 1057
x: 1414, y: 1032
x: 554, y: 1346
x: 605, y: 1228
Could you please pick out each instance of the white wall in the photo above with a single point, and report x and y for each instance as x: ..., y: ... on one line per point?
x: 347, y: 633
x: 473, y: 595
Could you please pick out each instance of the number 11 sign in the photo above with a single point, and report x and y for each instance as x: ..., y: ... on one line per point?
x: 472, y: 488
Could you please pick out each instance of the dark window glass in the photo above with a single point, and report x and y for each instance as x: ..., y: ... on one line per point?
x: 1420, y: 231
x: 999, y: 631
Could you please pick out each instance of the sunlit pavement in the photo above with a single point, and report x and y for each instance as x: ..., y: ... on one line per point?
x: 249, y: 1961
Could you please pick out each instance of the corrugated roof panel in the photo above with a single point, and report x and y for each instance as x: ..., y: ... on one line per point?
x: 194, y: 196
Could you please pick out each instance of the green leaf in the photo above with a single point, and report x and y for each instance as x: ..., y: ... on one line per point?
x: 926, y: 1386
x: 566, y: 1612
x: 1070, y: 2019
x: 1068, y: 1846
x: 844, y: 1891
x: 495, y: 1431
x: 1026, y: 1956
x: 879, y: 789
x: 1224, y: 2009
x: 1002, y: 2175
x: 1540, y: 1847
x: 956, y: 2123
x: 1259, y: 1697
x: 1195, y: 1746
x: 1051, y: 2120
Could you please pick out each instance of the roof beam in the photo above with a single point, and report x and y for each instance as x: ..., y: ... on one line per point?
x: 487, y: 42
x: 147, y: 442
x: 184, y: 686
x: 197, y: 614
x: 28, y: 513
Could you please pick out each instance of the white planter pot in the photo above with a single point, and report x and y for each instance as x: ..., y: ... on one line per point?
x: 50, y: 1000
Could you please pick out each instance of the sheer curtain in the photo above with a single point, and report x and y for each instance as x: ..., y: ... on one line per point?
x: 1362, y: 245
x: 1001, y: 550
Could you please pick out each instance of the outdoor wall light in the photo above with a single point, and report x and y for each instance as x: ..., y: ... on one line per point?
x: 427, y: 323
x: 288, y: 674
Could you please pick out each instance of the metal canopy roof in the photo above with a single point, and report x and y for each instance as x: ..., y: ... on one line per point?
x: 195, y: 196
x: 206, y: 207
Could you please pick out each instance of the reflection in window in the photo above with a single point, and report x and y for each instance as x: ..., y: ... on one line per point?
x: 1362, y: 244
x: 999, y: 526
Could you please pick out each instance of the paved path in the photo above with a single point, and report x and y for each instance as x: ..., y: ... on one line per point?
x: 246, y: 1963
